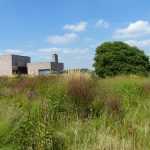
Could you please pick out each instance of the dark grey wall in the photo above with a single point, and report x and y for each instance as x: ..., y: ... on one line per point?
x: 20, y: 61
x: 57, y: 67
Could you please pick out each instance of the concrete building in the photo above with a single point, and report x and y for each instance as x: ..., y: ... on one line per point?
x: 45, y: 68
x: 13, y: 64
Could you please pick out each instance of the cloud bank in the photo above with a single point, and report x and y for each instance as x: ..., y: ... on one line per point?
x: 136, y: 29
x: 67, y: 38
x: 79, y: 27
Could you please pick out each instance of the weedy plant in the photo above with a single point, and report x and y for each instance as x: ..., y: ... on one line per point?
x: 74, y: 112
x: 81, y: 90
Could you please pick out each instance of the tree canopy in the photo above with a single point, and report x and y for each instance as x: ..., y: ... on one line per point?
x: 115, y: 58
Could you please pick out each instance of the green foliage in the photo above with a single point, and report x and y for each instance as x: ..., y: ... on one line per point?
x: 81, y: 89
x: 53, y: 118
x: 115, y: 58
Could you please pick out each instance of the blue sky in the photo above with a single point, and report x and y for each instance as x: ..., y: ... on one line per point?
x: 72, y: 28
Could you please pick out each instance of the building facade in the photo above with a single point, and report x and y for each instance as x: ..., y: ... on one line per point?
x: 45, y: 68
x: 16, y: 64
x: 13, y: 64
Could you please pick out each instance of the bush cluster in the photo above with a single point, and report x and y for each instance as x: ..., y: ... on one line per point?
x: 118, y: 58
x: 67, y: 112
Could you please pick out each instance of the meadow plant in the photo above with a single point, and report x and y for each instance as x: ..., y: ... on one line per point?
x: 113, y: 105
x: 74, y: 112
x: 81, y: 90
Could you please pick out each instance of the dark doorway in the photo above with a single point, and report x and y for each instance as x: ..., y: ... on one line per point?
x: 20, y: 70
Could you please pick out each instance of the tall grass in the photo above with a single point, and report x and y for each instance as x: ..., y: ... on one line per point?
x: 75, y: 112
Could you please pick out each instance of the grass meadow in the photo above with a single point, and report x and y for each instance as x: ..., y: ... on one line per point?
x: 75, y: 112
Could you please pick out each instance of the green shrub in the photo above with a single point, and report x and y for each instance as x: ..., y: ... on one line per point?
x: 118, y: 58
x: 74, y: 112
x: 81, y: 90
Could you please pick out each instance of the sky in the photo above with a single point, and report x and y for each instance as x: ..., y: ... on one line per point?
x: 71, y: 28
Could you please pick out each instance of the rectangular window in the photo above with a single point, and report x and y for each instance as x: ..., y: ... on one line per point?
x: 44, y: 72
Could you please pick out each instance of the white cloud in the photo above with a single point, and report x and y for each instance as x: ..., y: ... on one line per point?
x: 63, y: 39
x: 134, y: 30
x: 102, y: 24
x: 80, y: 27
x: 139, y: 43
x: 13, y: 51
x: 66, y: 51
x: 75, y: 50
x: 48, y: 50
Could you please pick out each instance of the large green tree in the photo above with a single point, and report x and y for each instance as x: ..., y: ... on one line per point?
x: 114, y: 58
